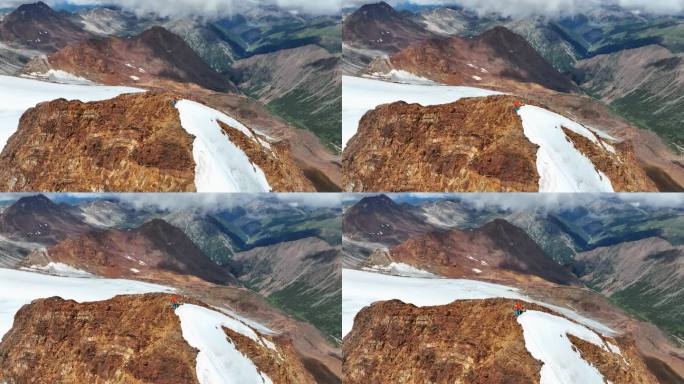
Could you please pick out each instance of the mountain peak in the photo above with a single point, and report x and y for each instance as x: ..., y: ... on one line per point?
x: 34, y: 202
x: 157, y: 32
x: 38, y: 26
x: 34, y: 9
x: 378, y: 200
x: 377, y: 7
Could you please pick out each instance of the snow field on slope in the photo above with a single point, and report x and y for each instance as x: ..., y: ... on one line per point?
x: 59, y: 76
x: 545, y: 334
x: 546, y: 339
x: 19, y: 94
x: 218, y: 361
x: 18, y: 288
x: 361, y: 289
x: 400, y: 269
x: 561, y: 167
x: 360, y: 95
x: 221, y: 166
x: 401, y: 76
x: 59, y: 269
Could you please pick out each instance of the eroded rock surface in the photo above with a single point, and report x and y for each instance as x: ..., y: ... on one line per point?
x: 467, y: 341
x: 471, y: 145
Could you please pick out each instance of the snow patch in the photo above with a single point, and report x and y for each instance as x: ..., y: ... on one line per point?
x: 401, y: 269
x: 477, y: 78
x: 59, y: 76
x: 218, y: 361
x: 221, y: 166
x: 135, y: 78
x: 402, y: 76
x: 546, y: 339
x: 361, y: 95
x: 477, y: 270
x: 59, y: 269
x: 135, y: 270
x: 19, y: 94
x: 561, y: 167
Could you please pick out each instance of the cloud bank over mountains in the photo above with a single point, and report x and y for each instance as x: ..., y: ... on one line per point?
x: 549, y: 8
x: 197, y: 8
x: 225, y: 8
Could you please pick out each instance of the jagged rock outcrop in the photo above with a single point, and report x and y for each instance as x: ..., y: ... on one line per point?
x: 473, y: 144
x: 131, y: 143
x: 38, y: 26
x: 153, y: 250
x: 134, y: 339
x: 128, y: 339
x: 149, y: 58
x: 134, y: 143
x: 469, y: 341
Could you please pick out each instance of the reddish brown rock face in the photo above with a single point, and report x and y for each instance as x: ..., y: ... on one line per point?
x: 467, y: 341
x: 474, y: 144
x: 623, y: 169
x: 131, y: 143
x: 129, y: 339
x: 464, y: 342
x: 134, y: 143
x: 471, y: 145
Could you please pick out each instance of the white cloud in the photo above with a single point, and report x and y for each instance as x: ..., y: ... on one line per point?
x: 551, y: 8
x: 531, y: 201
x: 203, y: 8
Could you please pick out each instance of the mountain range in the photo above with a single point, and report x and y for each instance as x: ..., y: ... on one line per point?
x: 207, y: 61
x: 611, y: 259
x: 230, y: 258
x: 611, y: 71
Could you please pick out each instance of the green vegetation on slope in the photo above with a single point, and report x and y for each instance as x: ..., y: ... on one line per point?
x: 304, y: 303
x: 645, y: 110
x: 303, y: 110
x: 639, y: 298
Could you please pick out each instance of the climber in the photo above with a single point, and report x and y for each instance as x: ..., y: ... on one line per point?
x: 174, y: 303
x: 517, y: 105
x: 518, y: 309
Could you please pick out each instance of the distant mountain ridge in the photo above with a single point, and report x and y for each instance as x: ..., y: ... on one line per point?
x: 38, y: 26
